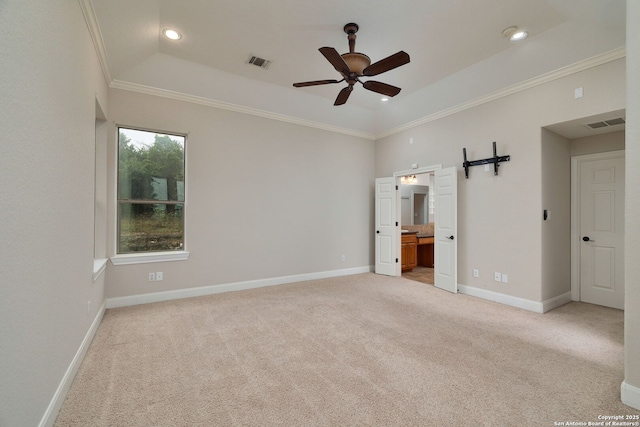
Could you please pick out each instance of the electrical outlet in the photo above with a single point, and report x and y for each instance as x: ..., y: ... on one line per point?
x: 344, y: 257
x: 505, y: 278
x: 152, y: 277
x: 476, y: 272
x: 159, y: 276
x: 497, y: 276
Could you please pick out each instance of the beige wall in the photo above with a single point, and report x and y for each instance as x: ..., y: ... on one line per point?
x: 265, y: 199
x: 500, y: 217
x: 50, y: 81
x: 632, y: 204
x: 612, y: 141
x: 556, y: 230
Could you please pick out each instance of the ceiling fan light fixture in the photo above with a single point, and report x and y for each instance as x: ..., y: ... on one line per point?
x: 514, y: 34
x: 171, y: 34
x: 356, y: 61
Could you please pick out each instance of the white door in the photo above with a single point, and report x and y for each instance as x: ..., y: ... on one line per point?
x: 387, y: 243
x: 602, y: 232
x: 446, y: 247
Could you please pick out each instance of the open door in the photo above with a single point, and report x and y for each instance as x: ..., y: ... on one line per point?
x: 446, y: 246
x: 387, y: 227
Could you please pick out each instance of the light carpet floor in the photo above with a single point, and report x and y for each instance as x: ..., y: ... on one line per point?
x: 361, y: 350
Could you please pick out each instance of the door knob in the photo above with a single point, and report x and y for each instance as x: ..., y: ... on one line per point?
x: 450, y: 237
x: 587, y: 239
x: 377, y: 231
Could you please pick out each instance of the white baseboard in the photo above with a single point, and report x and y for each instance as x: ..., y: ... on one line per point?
x: 501, y: 298
x: 556, y: 302
x: 537, y: 307
x: 630, y: 395
x: 51, y: 413
x: 228, y: 287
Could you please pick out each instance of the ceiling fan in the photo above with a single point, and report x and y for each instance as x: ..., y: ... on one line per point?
x: 354, y: 65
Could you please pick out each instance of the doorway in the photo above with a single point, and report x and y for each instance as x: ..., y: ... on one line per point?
x: 598, y: 228
x: 416, y: 214
x: 388, y: 237
x: 593, y: 212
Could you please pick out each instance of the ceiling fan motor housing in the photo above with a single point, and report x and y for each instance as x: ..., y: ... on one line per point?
x: 356, y: 61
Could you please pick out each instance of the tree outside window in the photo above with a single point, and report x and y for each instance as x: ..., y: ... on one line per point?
x: 150, y: 191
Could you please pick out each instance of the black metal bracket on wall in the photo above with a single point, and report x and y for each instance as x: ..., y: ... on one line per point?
x: 495, y: 160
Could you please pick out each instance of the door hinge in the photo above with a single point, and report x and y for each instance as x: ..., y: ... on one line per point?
x: 396, y: 260
x: 396, y: 223
x: 396, y: 187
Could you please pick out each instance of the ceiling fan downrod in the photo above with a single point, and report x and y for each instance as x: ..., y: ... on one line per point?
x: 351, y: 29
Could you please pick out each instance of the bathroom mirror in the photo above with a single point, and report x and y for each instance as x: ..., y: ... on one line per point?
x: 414, y: 204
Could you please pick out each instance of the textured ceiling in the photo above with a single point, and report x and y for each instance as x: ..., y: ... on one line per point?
x: 457, y: 50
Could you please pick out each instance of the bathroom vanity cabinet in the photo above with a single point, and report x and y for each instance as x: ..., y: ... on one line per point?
x: 409, y: 255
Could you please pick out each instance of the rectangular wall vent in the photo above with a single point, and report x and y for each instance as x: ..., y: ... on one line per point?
x: 605, y: 123
x: 259, y: 62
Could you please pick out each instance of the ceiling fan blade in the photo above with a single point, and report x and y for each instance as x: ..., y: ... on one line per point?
x: 316, y: 82
x: 382, y: 88
x: 336, y: 60
x: 386, y: 64
x: 343, y: 95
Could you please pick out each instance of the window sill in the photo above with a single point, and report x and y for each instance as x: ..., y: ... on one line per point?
x: 147, y: 257
x: 99, y: 266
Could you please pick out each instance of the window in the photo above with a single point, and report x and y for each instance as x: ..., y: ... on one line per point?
x: 150, y: 191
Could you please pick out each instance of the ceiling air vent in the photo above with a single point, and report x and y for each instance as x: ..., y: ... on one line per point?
x: 605, y: 123
x: 614, y: 122
x: 259, y: 62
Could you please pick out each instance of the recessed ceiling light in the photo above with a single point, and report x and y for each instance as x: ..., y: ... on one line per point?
x: 171, y: 34
x: 384, y: 99
x: 514, y: 34
x: 520, y: 35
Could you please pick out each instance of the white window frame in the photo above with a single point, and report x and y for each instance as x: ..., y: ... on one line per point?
x: 150, y: 256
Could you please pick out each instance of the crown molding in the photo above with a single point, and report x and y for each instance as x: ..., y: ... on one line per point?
x: 527, y: 84
x: 94, y: 30
x: 178, y: 96
x: 98, y: 42
x: 519, y: 87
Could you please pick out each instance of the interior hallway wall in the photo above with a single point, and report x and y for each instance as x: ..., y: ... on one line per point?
x: 556, y: 229
x: 632, y: 208
x: 612, y: 141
